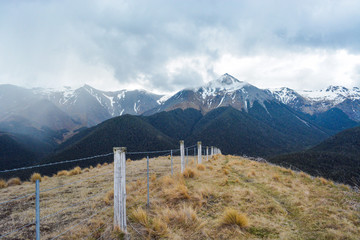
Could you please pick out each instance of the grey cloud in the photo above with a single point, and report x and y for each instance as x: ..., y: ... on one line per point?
x: 132, y: 38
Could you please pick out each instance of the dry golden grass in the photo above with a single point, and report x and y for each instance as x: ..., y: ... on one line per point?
x: 276, y: 177
x: 200, y: 167
x: 35, y: 176
x: 98, y: 165
x: 153, y: 177
x: 75, y: 171
x: 3, y: 183
x: 140, y: 215
x: 233, y: 217
x: 109, y: 197
x: 181, y: 207
x: 14, y: 181
x: 190, y: 173
x: 62, y: 173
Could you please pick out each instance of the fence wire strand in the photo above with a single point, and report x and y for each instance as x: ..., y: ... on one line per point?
x: 56, y: 163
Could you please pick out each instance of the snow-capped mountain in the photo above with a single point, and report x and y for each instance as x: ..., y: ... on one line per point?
x: 317, y: 101
x: 224, y: 91
x: 91, y: 106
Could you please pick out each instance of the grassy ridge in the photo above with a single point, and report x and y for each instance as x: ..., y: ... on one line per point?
x: 226, y: 198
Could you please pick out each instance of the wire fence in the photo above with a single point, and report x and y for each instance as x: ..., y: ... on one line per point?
x: 69, y: 203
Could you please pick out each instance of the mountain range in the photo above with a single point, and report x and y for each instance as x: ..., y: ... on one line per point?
x: 234, y: 115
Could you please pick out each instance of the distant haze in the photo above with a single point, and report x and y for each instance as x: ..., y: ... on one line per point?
x: 164, y: 46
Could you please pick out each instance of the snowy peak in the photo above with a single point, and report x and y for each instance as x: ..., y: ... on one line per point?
x: 335, y: 94
x: 285, y: 95
x: 227, y: 79
x: 226, y: 82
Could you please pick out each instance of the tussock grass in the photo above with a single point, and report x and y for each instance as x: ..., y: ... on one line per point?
x: 98, y: 165
x: 233, y: 217
x: 276, y: 177
x: 190, y: 173
x: 200, y: 167
x: 14, y: 181
x: 176, y: 193
x: 181, y: 207
x: 139, y: 215
x: 34, y: 177
x: 62, y: 173
x: 3, y: 183
x: 75, y: 171
x: 109, y: 197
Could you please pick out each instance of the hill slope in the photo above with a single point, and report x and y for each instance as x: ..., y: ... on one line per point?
x: 337, y: 158
x: 276, y: 202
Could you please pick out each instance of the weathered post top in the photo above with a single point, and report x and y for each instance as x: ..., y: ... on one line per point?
x: 121, y: 149
x: 199, y: 142
x: 181, y: 141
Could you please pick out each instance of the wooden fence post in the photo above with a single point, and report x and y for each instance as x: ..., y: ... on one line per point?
x: 120, y: 189
x: 172, y: 169
x: 212, y: 151
x: 207, y: 153
x: 148, y: 182
x: 182, y: 153
x: 199, y: 152
x: 37, y: 208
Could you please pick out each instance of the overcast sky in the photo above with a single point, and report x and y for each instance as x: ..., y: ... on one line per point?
x: 164, y: 46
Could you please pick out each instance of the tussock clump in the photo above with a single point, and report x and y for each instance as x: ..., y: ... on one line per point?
x: 345, y: 187
x: 177, y: 193
x: 251, y: 174
x: 86, y: 170
x: 75, y: 171
x: 35, y: 176
x: 288, y: 172
x: 91, y: 167
x: 166, y: 180
x: 98, y: 165
x: 14, y: 181
x: 189, y: 173
x: 225, y: 171
x: 276, y: 178
x: 153, y: 177
x: 182, y: 217
x: 210, y: 167
x: 105, y: 164
x: 304, y: 175
x: 216, y: 157
x: 2, y: 183
x: 192, y: 162
x: 202, y: 195
x: 62, y: 173
x: 139, y: 215
x: 232, y: 217
x: 323, y: 181
x: 200, y: 167
x: 159, y: 229
x: 128, y: 160
x: 109, y: 197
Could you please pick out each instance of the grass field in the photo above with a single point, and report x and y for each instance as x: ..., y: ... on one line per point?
x: 228, y: 197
